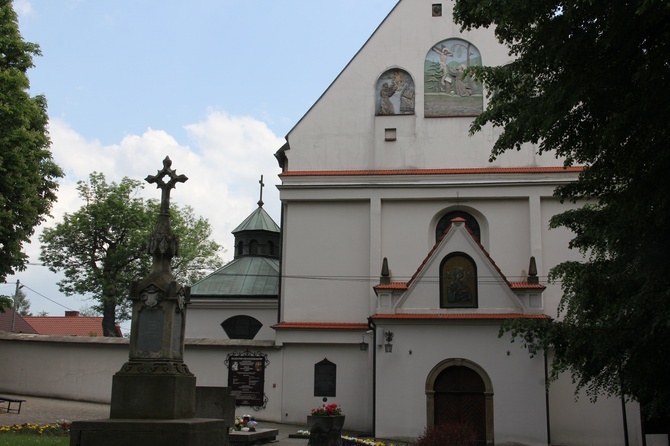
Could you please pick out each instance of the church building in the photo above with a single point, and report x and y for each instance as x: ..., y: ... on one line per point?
x: 403, y: 250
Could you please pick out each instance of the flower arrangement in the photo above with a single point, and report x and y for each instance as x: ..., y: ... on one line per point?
x: 327, y: 410
x: 353, y: 441
x: 245, y: 423
x: 59, y: 429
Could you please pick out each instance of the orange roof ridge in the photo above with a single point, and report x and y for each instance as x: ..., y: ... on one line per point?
x: 323, y: 325
x: 461, y: 316
x: 454, y: 171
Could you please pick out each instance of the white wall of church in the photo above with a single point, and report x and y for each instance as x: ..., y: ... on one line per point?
x: 206, y: 317
x: 350, y: 104
x: 325, y: 272
x: 519, y: 395
x: 353, y: 391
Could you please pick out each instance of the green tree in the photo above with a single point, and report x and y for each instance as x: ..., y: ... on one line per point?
x: 586, y: 84
x: 22, y: 303
x: 5, y: 302
x: 101, y: 248
x: 27, y: 172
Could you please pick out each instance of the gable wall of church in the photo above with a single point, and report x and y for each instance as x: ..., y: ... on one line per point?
x: 344, y: 131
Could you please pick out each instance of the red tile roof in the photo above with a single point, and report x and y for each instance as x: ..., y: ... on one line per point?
x: 461, y: 316
x: 68, y: 325
x: 526, y: 286
x: 322, y: 325
x: 456, y: 171
x: 392, y: 286
x: 20, y: 324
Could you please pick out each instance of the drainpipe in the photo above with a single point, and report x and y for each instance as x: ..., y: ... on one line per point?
x: 373, y: 327
x: 625, y: 420
x: 546, y: 396
x: 281, y: 263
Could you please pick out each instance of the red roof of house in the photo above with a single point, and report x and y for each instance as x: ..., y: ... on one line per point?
x: 475, y: 316
x: 20, y: 324
x: 322, y: 325
x: 68, y: 325
x: 455, y: 171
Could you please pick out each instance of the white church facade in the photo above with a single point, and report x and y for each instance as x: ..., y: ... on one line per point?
x: 404, y: 249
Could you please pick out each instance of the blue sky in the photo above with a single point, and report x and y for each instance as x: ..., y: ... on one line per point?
x: 214, y: 84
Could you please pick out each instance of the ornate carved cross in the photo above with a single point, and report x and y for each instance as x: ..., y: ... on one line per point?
x: 165, y: 187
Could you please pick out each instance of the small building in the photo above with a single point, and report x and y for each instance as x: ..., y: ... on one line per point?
x: 240, y: 299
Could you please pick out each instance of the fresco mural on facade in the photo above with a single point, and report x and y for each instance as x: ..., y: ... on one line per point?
x: 448, y: 91
x: 394, y: 93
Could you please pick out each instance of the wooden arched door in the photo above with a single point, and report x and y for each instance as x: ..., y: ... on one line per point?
x: 459, y: 397
x: 455, y: 389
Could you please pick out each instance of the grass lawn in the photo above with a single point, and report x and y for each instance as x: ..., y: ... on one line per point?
x: 27, y: 434
x: 12, y: 439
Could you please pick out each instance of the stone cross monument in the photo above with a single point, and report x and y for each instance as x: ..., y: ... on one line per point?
x: 154, y: 393
x: 155, y: 383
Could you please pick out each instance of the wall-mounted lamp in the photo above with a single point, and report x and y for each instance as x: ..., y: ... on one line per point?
x: 388, y: 347
x: 531, y: 345
x: 363, y: 345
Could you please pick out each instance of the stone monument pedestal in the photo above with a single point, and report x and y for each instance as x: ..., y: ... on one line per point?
x: 151, y: 396
x: 120, y: 432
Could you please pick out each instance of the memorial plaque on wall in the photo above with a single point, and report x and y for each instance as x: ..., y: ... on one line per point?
x: 325, y: 378
x: 246, y: 379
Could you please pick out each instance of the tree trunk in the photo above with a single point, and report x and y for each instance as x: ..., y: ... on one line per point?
x: 109, y: 318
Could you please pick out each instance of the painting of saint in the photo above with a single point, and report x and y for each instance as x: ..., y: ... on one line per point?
x: 394, y: 93
x: 458, y: 282
x: 448, y: 88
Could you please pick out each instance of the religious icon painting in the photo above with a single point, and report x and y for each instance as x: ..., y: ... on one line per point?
x: 458, y: 282
x: 394, y: 93
x: 448, y: 88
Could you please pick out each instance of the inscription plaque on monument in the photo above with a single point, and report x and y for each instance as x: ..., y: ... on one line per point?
x: 246, y: 379
x: 150, y: 330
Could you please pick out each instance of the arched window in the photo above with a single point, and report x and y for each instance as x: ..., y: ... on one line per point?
x: 445, y: 221
x: 271, y: 248
x: 241, y: 327
x: 458, y: 281
x: 240, y: 248
x: 253, y: 247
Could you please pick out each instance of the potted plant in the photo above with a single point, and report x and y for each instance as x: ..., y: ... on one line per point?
x: 325, y: 425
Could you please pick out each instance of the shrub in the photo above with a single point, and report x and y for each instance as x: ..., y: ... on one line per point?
x: 449, y: 434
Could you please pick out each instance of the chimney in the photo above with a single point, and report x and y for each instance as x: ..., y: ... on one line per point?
x: 72, y: 314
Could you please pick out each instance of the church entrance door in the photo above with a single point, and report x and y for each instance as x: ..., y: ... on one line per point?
x: 460, y: 398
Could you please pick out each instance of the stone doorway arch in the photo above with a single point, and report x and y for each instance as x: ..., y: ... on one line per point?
x: 460, y: 390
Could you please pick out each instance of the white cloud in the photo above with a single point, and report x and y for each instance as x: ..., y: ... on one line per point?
x: 224, y: 166
x: 23, y: 7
